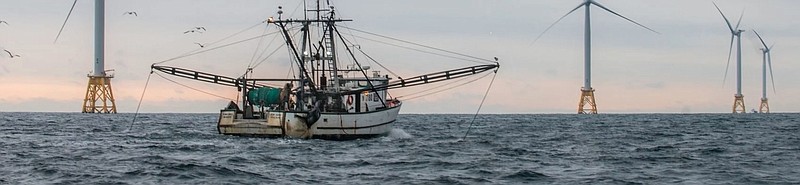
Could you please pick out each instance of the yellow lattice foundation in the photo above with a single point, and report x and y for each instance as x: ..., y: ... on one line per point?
x: 99, y: 89
x: 587, y: 98
x: 764, y: 107
x: 738, y: 104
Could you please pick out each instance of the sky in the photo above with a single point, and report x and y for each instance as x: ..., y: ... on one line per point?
x: 681, y: 69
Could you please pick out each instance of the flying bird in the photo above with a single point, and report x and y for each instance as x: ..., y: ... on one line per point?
x: 200, y: 28
x: 11, y: 54
x: 131, y: 13
x: 192, y: 31
x: 201, y: 45
x: 3, y: 22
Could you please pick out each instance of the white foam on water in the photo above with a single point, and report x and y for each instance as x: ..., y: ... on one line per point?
x: 397, y: 133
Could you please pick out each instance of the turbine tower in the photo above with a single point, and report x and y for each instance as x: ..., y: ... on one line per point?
x: 99, y: 88
x: 99, y: 96
x: 767, y: 60
x: 738, y: 102
x: 587, y: 92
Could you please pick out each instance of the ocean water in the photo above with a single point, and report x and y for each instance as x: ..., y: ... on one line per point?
x: 73, y: 148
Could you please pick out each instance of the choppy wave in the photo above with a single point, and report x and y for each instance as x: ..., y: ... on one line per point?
x: 67, y: 148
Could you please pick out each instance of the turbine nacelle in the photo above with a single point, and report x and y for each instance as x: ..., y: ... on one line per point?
x: 734, y: 30
x: 765, y: 49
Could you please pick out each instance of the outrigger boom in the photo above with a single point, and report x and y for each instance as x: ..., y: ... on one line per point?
x: 400, y: 83
x: 431, y: 77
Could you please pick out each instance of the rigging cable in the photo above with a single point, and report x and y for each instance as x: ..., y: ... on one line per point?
x: 273, y: 52
x: 264, y: 51
x: 419, y: 50
x: 480, y: 106
x: 420, y: 45
x: 140, y: 100
x: 415, y: 96
x: 260, y: 42
x: 370, y: 57
x: 250, y: 66
x: 215, y: 48
x: 270, y: 55
x: 192, y: 88
x: 198, y: 51
x: 226, y: 38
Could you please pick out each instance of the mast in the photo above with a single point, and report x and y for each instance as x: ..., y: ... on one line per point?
x: 301, y: 91
x: 306, y: 80
x: 332, y: 49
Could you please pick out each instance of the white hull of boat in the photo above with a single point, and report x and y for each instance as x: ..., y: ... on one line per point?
x: 336, y: 126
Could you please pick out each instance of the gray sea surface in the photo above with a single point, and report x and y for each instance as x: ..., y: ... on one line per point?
x: 74, y: 148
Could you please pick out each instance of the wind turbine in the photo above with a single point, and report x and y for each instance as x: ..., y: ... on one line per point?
x: 738, y: 102
x: 587, y: 92
x: 99, y: 86
x: 767, y: 60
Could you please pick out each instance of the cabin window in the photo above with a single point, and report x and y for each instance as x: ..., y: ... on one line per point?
x: 373, y: 97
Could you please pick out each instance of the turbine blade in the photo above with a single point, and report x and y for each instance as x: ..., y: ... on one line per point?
x: 554, y: 23
x: 771, y: 75
x: 726, y: 18
x: 65, y: 21
x: 615, y: 13
x: 762, y: 40
x: 728, y: 64
x: 740, y: 20
x: 770, y: 47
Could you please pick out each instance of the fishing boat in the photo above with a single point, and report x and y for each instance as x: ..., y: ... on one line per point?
x: 326, y: 99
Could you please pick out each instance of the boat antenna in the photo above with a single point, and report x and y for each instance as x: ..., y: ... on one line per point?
x: 482, y: 101
x: 305, y: 10
x: 280, y: 12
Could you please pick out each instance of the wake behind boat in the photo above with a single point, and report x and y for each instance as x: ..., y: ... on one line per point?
x: 326, y: 99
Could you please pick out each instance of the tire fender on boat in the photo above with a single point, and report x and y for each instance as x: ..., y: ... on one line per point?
x: 313, y: 115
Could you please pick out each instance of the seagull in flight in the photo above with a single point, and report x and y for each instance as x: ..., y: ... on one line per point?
x: 200, y: 28
x: 11, y: 54
x: 131, y: 13
x: 3, y: 22
x: 192, y: 31
x: 201, y: 45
